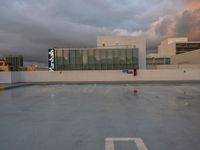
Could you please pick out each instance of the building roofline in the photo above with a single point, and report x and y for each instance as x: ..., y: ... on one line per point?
x: 93, y: 48
x: 189, y: 42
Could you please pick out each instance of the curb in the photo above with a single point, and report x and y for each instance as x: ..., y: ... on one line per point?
x: 4, y: 88
x: 14, y: 86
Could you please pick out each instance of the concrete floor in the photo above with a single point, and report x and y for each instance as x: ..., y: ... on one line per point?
x: 80, y: 117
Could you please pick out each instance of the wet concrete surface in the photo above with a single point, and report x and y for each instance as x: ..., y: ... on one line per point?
x: 80, y: 117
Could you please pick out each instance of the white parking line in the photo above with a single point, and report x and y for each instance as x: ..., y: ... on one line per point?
x: 109, y: 142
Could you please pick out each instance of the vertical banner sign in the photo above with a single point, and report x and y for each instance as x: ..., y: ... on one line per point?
x: 51, y: 60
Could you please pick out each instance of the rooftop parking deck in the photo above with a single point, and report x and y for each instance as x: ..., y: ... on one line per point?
x: 87, y: 117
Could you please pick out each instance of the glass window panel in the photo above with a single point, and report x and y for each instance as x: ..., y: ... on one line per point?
x: 116, y: 57
x: 85, y: 57
x: 103, y: 56
x: 97, y: 57
x: 135, y: 57
x: 66, y: 56
x: 91, y: 56
x: 72, y: 57
x: 59, y: 59
x: 109, y: 57
x: 78, y: 57
x: 129, y: 60
x: 122, y: 57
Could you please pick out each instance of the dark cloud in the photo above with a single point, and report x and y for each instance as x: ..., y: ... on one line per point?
x: 31, y: 27
x: 186, y: 23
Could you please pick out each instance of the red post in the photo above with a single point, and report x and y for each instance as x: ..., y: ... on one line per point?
x: 135, y: 72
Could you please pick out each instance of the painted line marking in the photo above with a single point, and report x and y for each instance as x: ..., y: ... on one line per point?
x: 109, y: 142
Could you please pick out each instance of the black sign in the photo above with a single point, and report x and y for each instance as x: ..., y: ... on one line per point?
x: 51, y: 60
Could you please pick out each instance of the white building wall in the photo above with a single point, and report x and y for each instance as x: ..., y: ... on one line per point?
x: 167, y: 48
x: 125, y: 42
x: 178, y: 66
x: 177, y: 40
x: 192, y: 57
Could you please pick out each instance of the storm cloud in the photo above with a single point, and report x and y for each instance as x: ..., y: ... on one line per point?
x: 31, y: 27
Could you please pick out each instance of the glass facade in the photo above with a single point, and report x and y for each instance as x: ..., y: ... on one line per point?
x: 95, y: 59
x: 158, y: 61
x: 15, y: 62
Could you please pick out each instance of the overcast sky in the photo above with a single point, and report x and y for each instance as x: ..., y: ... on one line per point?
x: 30, y: 27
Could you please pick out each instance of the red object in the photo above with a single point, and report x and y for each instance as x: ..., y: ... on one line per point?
x: 135, y: 72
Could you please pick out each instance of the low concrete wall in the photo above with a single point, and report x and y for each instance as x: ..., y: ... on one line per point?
x: 180, y: 66
x: 101, y: 76
x: 81, y: 76
x: 16, y: 77
x: 5, y: 77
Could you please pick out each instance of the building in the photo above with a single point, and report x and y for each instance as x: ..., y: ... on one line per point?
x: 93, y: 59
x: 15, y: 62
x: 3, y: 65
x: 112, y: 53
x: 30, y: 68
x: 173, y: 46
x: 125, y: 42
x: 153, y: 59
x: 192, y: 57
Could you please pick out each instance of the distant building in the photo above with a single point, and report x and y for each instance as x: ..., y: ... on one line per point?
x: 15, y: 62
x: 112, y: 53
x: 3, y: 65
x: 192, y: 57
x: 125, y: 42
x: 34, y: 67
x: 154, y: 59
x: 173, y: 46
x: 42, y: 69
x: 179, y: 49
x: 93, y: 59
x: 30, y: 68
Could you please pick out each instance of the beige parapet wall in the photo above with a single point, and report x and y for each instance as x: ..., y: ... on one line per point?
x: 101, y: 76
x: 5, y: 77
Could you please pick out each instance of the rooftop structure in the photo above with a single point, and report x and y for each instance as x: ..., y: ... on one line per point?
x: 15, y: 62
x: 173, y: 46
x: 125, y: 42
x: 154, y: 59
x: 93, y: 59
x: 11, y: 63
x: 3, y: 65
x: 192, y: 57
x: 112, y: 53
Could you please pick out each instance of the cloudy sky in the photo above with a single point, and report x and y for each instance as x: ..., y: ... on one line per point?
x: 30, y: 27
